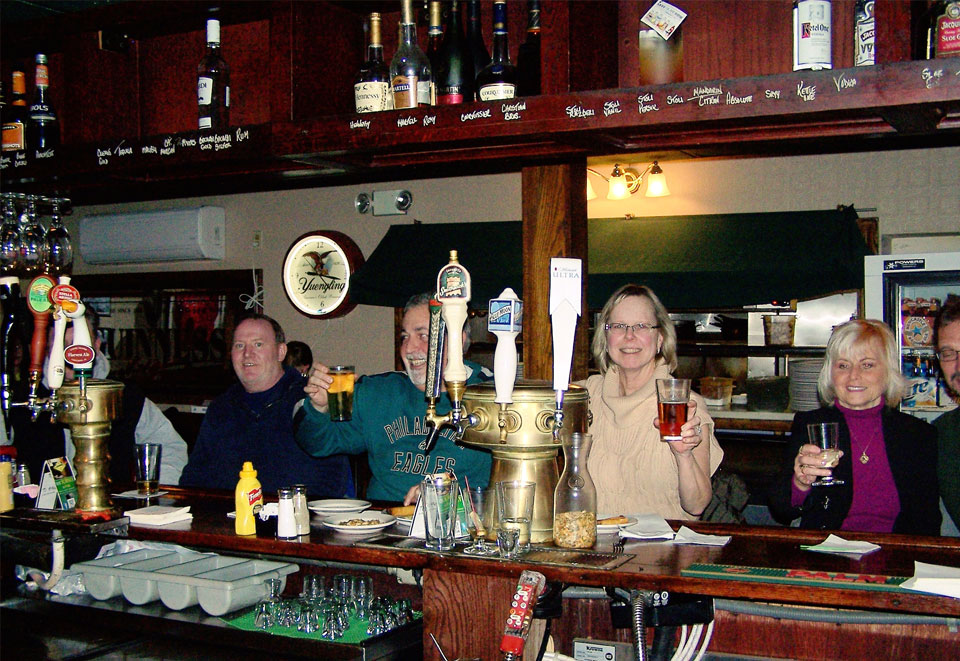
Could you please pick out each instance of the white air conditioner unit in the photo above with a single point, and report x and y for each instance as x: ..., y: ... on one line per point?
x: 153, y: 236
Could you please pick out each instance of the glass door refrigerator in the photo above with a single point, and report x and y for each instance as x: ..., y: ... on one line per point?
x: 906, y: 291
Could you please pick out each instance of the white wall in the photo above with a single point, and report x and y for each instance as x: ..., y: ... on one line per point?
x: 914, y: 191
x: 364, y: 337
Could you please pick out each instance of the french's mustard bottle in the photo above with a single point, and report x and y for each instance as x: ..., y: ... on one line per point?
x: 248, y: 499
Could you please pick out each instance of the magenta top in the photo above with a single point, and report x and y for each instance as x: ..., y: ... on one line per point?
x: 875, y: 504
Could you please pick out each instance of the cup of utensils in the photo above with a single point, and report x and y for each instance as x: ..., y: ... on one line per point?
x: 329, y: 605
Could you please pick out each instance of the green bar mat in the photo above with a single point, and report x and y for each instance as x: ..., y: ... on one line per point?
x: 824, y: 579
x: 356, y: 633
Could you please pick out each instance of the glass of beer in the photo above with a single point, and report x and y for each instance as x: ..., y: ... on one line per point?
x: 148, y: 468
x: 826, y: 436
x: 340, y: 394
x: 672, y: 398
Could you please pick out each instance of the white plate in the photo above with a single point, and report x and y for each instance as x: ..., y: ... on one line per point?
x: 337, y: 522
x: 337, y: 506
x: 607, y: 528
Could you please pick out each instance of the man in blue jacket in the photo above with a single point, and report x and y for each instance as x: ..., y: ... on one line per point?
x: 388, y: 421
x: 253, y: 421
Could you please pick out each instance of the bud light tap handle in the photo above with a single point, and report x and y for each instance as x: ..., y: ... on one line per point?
x: 504, y: 319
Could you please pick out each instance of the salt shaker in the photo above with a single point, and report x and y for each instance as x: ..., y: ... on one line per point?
x: 300, y: 510
x: 286, y: 521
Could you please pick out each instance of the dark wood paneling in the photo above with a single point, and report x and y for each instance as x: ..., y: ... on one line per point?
x: 593, y: 45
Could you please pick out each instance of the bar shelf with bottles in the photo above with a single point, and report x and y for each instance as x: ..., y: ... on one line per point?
x: 737, y: 99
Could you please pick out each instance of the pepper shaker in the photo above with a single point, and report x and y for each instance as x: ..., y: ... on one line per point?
x: 301, y: 513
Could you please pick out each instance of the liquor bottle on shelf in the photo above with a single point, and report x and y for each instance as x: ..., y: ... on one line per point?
x: 864, y: 34
x: 43, y: 130
x: 479, y: 55
x: 15, y: 115
x: 528, y: 57
x: 434, y: 33
x: 371, y: 90
x: 213, y: 83
x: 938, y: 33
x: 660, y: 44
x: 410, y: 75
x: 498, y: 80
x: 811, y: 35
x: 454, y: 72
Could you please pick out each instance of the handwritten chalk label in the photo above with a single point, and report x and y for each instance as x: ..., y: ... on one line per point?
x: 931, y: 77
x: 844, y: 83
x: 476, y: 114
x: 772, y: 94
x: 806, y: 92
x: 579, y: 112
x: 360, y: 124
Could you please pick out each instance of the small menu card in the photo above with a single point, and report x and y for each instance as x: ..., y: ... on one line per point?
x: 158, y: 515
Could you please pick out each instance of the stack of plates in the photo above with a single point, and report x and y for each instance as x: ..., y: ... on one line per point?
x: 333, y: 506
x: 803, y: 383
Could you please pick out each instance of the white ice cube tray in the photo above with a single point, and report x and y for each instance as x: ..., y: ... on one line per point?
x: 180, y: 579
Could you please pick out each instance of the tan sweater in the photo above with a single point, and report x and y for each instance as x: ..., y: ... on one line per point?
x: 634, y: 471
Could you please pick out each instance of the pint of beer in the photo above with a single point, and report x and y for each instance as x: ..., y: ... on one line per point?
x: 672, y: 397
x: 340, y: 394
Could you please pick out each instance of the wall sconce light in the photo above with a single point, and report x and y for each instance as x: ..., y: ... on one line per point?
x: 384, y: 203
x: 624, y: 182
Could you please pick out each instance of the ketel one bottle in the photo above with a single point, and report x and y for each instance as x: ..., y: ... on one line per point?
x: 811, y: 35
x: 43, y: 130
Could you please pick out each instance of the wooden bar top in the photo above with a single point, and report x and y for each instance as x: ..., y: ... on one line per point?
x: 653, y: 565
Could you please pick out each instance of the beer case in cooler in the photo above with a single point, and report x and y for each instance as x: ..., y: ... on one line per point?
x: 906, y: 291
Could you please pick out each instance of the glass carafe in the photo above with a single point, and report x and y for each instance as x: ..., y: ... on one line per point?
x: 575, y: 500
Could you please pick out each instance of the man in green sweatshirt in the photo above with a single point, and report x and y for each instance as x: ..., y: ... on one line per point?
x: 388, y: 421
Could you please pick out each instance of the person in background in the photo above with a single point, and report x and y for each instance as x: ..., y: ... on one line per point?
x: 140, y: 421
x: 254, y: 421
x: 635, y: 344
x: 298, y: 356
x: 889, y: 460
x: 947, y: 337
x: 388, y: 421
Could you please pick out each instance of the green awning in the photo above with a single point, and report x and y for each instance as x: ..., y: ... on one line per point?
x: 727, y: 260
x: 691, y: 262
x: 408, y: 258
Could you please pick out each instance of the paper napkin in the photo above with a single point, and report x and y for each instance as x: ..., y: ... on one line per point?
x: 158, y: 515
x: 834, y: 544
x: 937, y: 579
x: 648, y: 526
x: 687, y: 536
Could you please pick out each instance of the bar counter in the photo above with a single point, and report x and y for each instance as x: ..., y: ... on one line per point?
x: 465, y: 599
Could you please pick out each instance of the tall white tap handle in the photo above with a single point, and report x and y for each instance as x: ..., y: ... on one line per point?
x: 81, y: 335
x: 453, y: 292
x: 565, y: 301
x: 53, y: 376
x: 504, y: 318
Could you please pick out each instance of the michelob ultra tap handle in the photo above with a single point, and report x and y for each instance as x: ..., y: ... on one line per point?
x: 565, y: 296
x: 504, y: 318
x: 453, y: 292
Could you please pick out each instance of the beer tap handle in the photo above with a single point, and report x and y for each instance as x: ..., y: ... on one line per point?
x: 9, y: 299
x: 504, y: 317
x: 565, y: 301
x: 54, y: 371
x: 434, y: 382
x: 453, y: 292
x: 38, y: 301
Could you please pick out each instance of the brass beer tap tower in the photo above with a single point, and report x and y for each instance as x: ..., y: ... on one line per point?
x: 522, y: 424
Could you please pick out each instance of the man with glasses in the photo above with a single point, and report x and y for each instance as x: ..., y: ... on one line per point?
x: 947, y: 333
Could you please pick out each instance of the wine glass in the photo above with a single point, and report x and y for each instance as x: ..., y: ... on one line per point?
x: 9, y: 238
x: 59, y: 249
x: 479, y: 508
x: 826, y: 436
x: 32, y: 246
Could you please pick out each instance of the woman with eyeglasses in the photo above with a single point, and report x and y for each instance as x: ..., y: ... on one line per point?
x: 635, y: 344
x: 886, y: 476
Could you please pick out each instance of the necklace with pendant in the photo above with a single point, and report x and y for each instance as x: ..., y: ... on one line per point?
x: 864, y: 457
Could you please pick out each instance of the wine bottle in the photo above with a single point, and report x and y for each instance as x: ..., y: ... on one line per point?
x: 15, y: 115
x: 371, y: 90
x: 528, y: 57
x: 43, y: 130
x: 455, y: 68
x: 434, y: 34
x: 498, y: 80
x: 213, y: 83
x: 811, y: 35
x: 939, y: 33
x: 479, y: 55
x: 864, y: 34
x: 410, y: 75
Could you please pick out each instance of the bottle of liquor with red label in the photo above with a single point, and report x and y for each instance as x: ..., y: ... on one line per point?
x: 410, y: 75
x: 498, y: 80
x: 454, y: 72
x: 371, y: 91
x: 939, y: 31
x: 15, y: 116
x: 213, y: 83
x: 434, y: 33
x: 43, y: 130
